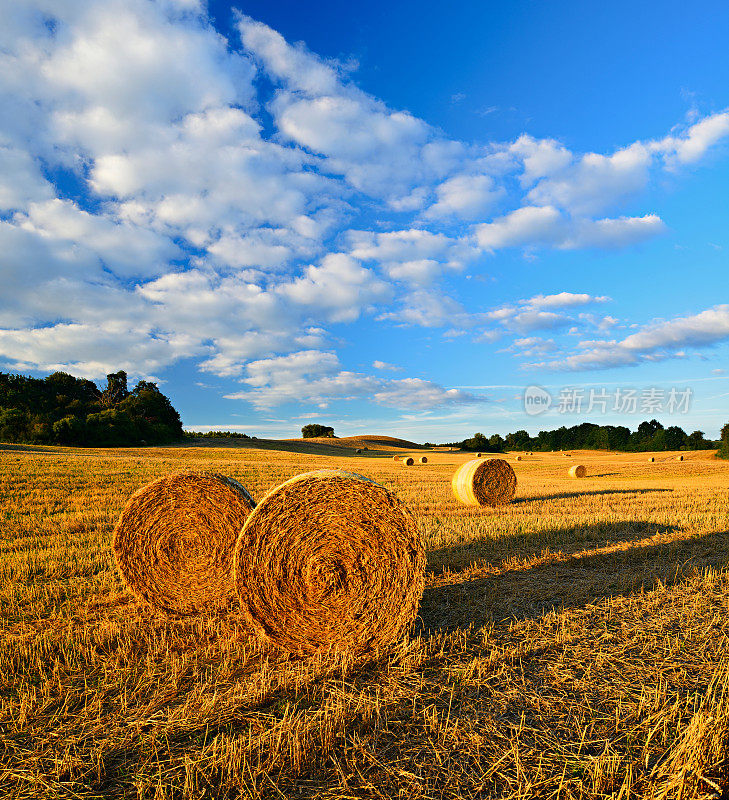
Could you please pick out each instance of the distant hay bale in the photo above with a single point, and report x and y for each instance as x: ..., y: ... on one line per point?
x: 679, y: 458
x: 175, y: 538
x: 652, y: 458
x: 329, y: 560
x: 577, y: 471
x: 566, y: 455
x: 408, y: 461
x: 490, y: 482
x: 358, y: 450
x: 479, y: 455
x: 396, y: 458
x: 518, y: 458
x: 423, y: 459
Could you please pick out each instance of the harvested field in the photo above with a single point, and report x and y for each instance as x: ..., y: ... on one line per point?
x: 570, y: 644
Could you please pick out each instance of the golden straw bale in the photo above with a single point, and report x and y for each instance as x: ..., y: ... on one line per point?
x: 577, y: 471
x: 479, y: 455
x: 490, y: 482
x: 175, y: 538
x: 396, y: 458
x: 679, y: 458
x: 423, y: 459
x: 518, y: 458
x: 329, y: 559
x: 652, y: 458
x: 358, y: 450
x: 408, y: 461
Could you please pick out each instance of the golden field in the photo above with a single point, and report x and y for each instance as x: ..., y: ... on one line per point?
x: 570, y: 645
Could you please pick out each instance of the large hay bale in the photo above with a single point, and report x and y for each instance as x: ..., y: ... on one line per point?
x: 396, y: 458
x: 175, y: 538
x: 358, y: 450
x: 329, y: 560
x: 518, y: 458
x: 423, y: 459
x: 652, y: 458
x: 490, y: 482
x: 408, y: 461
x: 577, y: 471
x: 679, y: 458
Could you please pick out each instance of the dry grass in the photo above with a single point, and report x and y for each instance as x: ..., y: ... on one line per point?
x: 572, y: 644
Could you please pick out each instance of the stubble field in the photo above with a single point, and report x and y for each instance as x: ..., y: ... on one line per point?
x: 571, y: 644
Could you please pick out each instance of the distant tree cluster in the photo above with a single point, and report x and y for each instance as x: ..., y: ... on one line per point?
x: 313, y: 431
x: 61, y: 409
x: 650, y: 436
x: 216, y: 435
x: 724, y: 442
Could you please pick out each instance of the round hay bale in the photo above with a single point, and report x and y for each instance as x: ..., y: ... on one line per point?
x: 479, y: 455
x: 491, y: 482
x: 396, y: 458
x: 423, y: 459
x: 408, y: 461
x: 175, y: 538
x: 652, y: 458
x: 329, y: 560
x: 577, y: 471
x: 518, y: 458
x: 679, y: 458
x: 358, y: 450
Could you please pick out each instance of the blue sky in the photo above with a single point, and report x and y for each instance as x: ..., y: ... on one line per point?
x: 386, y: 218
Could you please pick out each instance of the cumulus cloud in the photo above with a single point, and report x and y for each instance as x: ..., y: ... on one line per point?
x: 541, y: 312
x: 158, y: 201
x: 655, y: 342
x: 316, y: 377
x: 414, y: 256
x: 693, y: 144
x: 546, y: 226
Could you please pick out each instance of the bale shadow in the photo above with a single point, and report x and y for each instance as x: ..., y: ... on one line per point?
x: 570, y: 539
x: 23, y: 448
x: 568, y: 582
x: 568, y: 495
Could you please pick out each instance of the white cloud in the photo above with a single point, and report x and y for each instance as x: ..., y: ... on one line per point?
x: 654, y: 342
x: 337, y: 290
x: 530, y: 225
x: 92, y: 351
x: 563, y: 300
x: 315, y: 377
x: 694, y: 144
x: 467, y: 197
x: 416, y: 393
x: 595, y: 182
x: 610, y: 233
x: 545, y: 226
x: 152, y: 210
x: 414, y: 256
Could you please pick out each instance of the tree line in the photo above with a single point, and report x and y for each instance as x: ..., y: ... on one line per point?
x: 649, y: 437
x: 61, y: 409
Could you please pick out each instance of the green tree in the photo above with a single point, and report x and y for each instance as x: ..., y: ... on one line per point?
x: 313, y: 431
x: 724, y: 446
x: 496, y: 443
x: 68, y: 430
x: 13, y: 425
x: 111, y: 427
